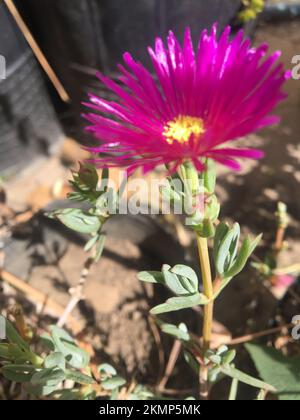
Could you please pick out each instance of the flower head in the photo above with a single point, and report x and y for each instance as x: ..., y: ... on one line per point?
x: 195, y: 103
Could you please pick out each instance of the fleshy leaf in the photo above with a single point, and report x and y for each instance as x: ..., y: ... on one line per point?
x: 180, y: 332
x: 55, y: 359
x: 77, y: 220
x: 48, y: 377
x: 113, y: 383
x: 246, y: 379
x: 75, y: 356
x: 151, y: 277
x: 177, y: 303
x: 245, y: 252
x: 79, y: 377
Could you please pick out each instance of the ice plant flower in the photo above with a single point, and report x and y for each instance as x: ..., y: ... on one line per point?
x: 195, y: 103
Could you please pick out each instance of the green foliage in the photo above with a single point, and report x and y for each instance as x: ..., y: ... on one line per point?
x: 109, y: 378
x: 85, y: 183
x: 209, y: 176
x: 18, y: 350
x: 42, y: 375
x: 280, y: 371
x: 180, y: 332
x: 64, y: 344
x: 229, y: 259
x: 78, y: 220
x: 86, y: 188
x: 177, y: 303
x: 195, y: 192
x: 182, y: 281
x: 220, y: 364
x: 234, y: 373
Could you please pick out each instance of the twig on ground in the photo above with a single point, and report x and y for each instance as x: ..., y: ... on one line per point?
x: 38, y: 297
x: 170, y: 365
x: 160, y: 348
x: 76, y: 292
x: 250, y: 337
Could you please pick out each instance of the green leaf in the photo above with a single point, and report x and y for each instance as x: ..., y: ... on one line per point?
x: 64, y: 343
x: 169, y: 194
x: 177, y: 303
x: 77, y: 220
x: 188, y: 277
x: 87, y: 177
x: 206, y: 228
x: 90, y: 243
x: 13, y: 336
x: 209, y: 176
x: 227, y: 244
x: 180, y: 332
x: 100, y: 246
x: 18, y: 373
x: 79, y: 377
x: 47, y: 341
x: 5, y: 351
x: 13, y: 353
x: 233, y: 250
x: 192, y: 362
x: 55, y: 359
x: 243, y: 377
x: 280, y: 371
x: 107, y: 370
x: 245, y: 252
x: 85, y: 183
x: 40, y: 390
x: 221, y: 231
x: 48, y: 377
x: 151, y: 276
x: 180, y: 279
x: 113, y: 383
x: 228, y: 357
x: 173, y: 282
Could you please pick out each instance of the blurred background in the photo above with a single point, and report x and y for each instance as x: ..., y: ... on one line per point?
x: 52, y: 50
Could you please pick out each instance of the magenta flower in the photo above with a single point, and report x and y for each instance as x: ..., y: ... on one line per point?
x: 195, y: 103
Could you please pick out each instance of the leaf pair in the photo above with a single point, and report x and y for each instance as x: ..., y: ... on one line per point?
x: 110, y: 380
x: 221, y: 365
x: 182, y: 281
x: 64, y: 345
x: 228, y: 257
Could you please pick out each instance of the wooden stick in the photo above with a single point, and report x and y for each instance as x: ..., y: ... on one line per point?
x: 37, y: 51
x: 36, y: 296
x: 76, y: 292
x: 171, y: 364
x: 250, y: 337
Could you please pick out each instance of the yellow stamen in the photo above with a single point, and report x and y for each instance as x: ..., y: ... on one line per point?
x: 182, y: 127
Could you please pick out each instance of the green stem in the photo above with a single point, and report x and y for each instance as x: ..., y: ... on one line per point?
x: 35, y: 359
x: 208, y: 311
x: 233, y: 389
x: 208, y: 290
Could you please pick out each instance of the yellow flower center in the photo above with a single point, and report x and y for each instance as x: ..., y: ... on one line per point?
x: 182, y: 127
